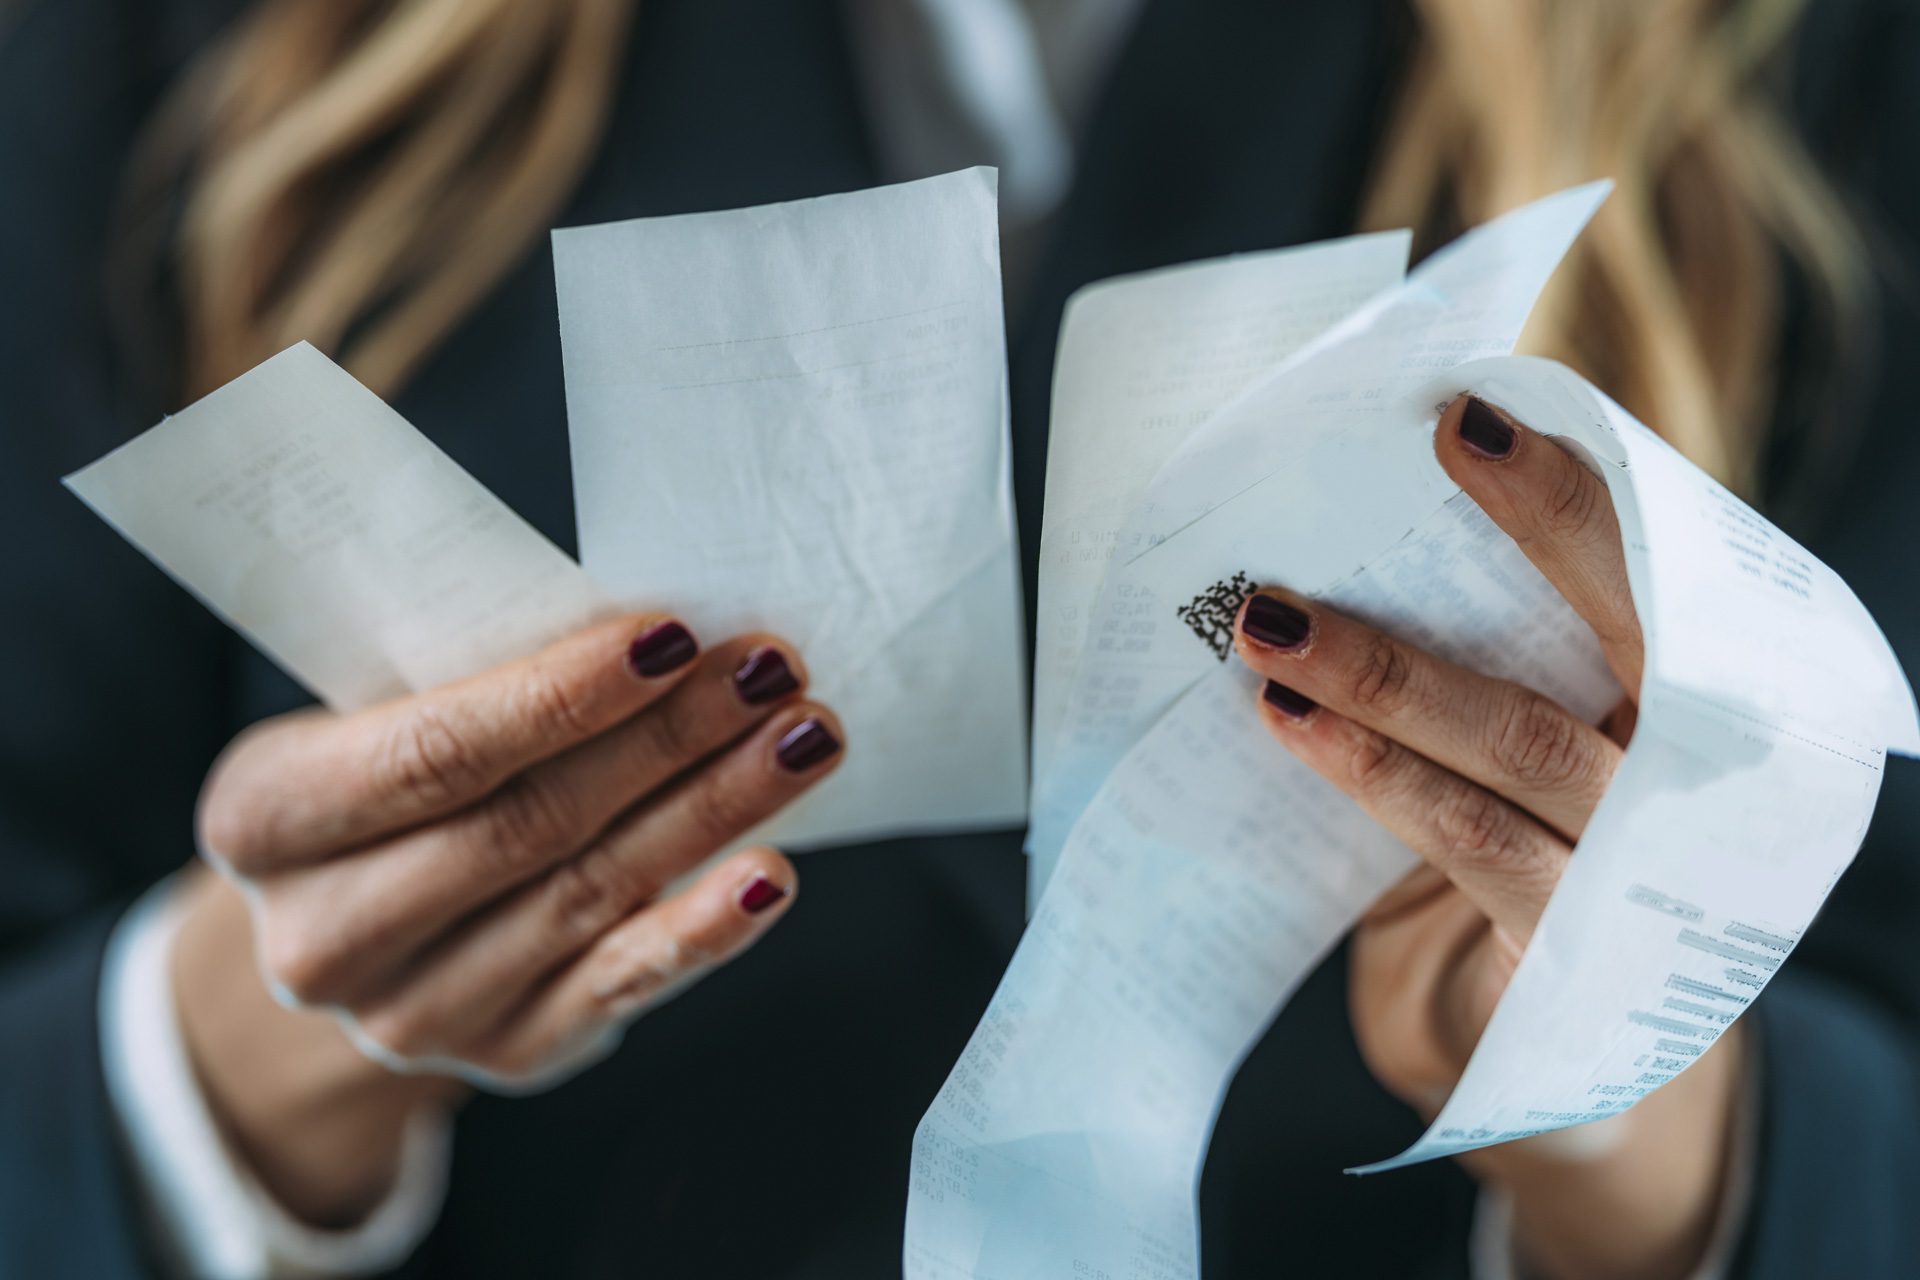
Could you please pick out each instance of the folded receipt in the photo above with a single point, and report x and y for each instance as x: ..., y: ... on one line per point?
x: 789, y: 418
x: 1191, y: 872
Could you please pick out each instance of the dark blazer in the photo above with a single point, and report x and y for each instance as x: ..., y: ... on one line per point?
x: 760, y: 1126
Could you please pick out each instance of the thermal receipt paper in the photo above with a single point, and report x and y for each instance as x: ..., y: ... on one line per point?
x: 789, y: 418
x: 794, y: 418
x: 1194, y: 872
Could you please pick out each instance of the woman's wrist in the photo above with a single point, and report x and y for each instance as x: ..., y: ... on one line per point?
x: 1642, y: 1195
x: 319, y: 1126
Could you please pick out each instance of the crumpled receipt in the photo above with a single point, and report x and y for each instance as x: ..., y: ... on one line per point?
x: 792, y: 417
x: 1194, y: 872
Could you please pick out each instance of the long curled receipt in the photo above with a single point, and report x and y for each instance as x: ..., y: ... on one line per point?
x: 791, y: 417
x: 1206, y: 871
x: 794, y: 418
x: 1143, y: 361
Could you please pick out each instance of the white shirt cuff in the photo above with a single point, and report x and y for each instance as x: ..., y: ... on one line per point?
x: 209, y: 1216
x: 1491, y: 1252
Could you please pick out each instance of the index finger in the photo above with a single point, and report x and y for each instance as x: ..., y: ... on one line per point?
x: 1559, y: 513
x: 302, y: 786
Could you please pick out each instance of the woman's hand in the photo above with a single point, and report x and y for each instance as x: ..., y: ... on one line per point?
x: 1491, y: 784
x: 474, y: 876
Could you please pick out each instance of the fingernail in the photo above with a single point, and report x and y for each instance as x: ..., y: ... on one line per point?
x: 805, y: 745
x: 760, y: 894
x: 1484, y: 431
x: 666, y: 647
x: 1288, y: 702
x: 764, y: 677
x: 1275, y: 623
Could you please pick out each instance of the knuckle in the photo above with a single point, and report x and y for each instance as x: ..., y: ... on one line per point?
x: 719, y: 808
x: 232, y: 819
x: 1372, y: 763
x: 426, y: 758
x: 705, y: 945
x: 1476, y: 829
x: 534, y: 818
x: 553, y: 708
x: 1538, y: 745
x: 628, y: 983
x: 1381, y: 677
x: 585, y: 895
x: 1571, y: 504
x: 307, y: 969
x: 635, y: 979
x: 401, y: 1029
x: 668, y: 735
x: 227, y: 826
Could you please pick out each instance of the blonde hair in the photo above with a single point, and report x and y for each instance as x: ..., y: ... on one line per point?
x: 1672, y: 300
x: 359, y: 173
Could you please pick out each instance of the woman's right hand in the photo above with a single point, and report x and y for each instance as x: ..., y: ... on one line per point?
x: 474, y: 874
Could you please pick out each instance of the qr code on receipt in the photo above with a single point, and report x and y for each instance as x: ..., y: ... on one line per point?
x: 1211, y: 613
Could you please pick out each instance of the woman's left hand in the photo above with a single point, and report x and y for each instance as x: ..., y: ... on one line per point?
x: 1491, y: 784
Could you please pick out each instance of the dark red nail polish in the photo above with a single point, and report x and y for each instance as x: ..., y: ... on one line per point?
x: 760, y: 894
x: 666, y: 647
x: 1484, y: 431
x: 1275, y: 623
x: 764, y: 677
x: 1288, y: 702
x: 805, y: 745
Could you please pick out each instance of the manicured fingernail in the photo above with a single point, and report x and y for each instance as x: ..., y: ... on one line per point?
x: 805, y: 745
x: 764, y: 677
x: 760, y: 894
x: 1275, y: 623
x: 1288, y: 702
x: 1484, y: 431
x: 658, y: 650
